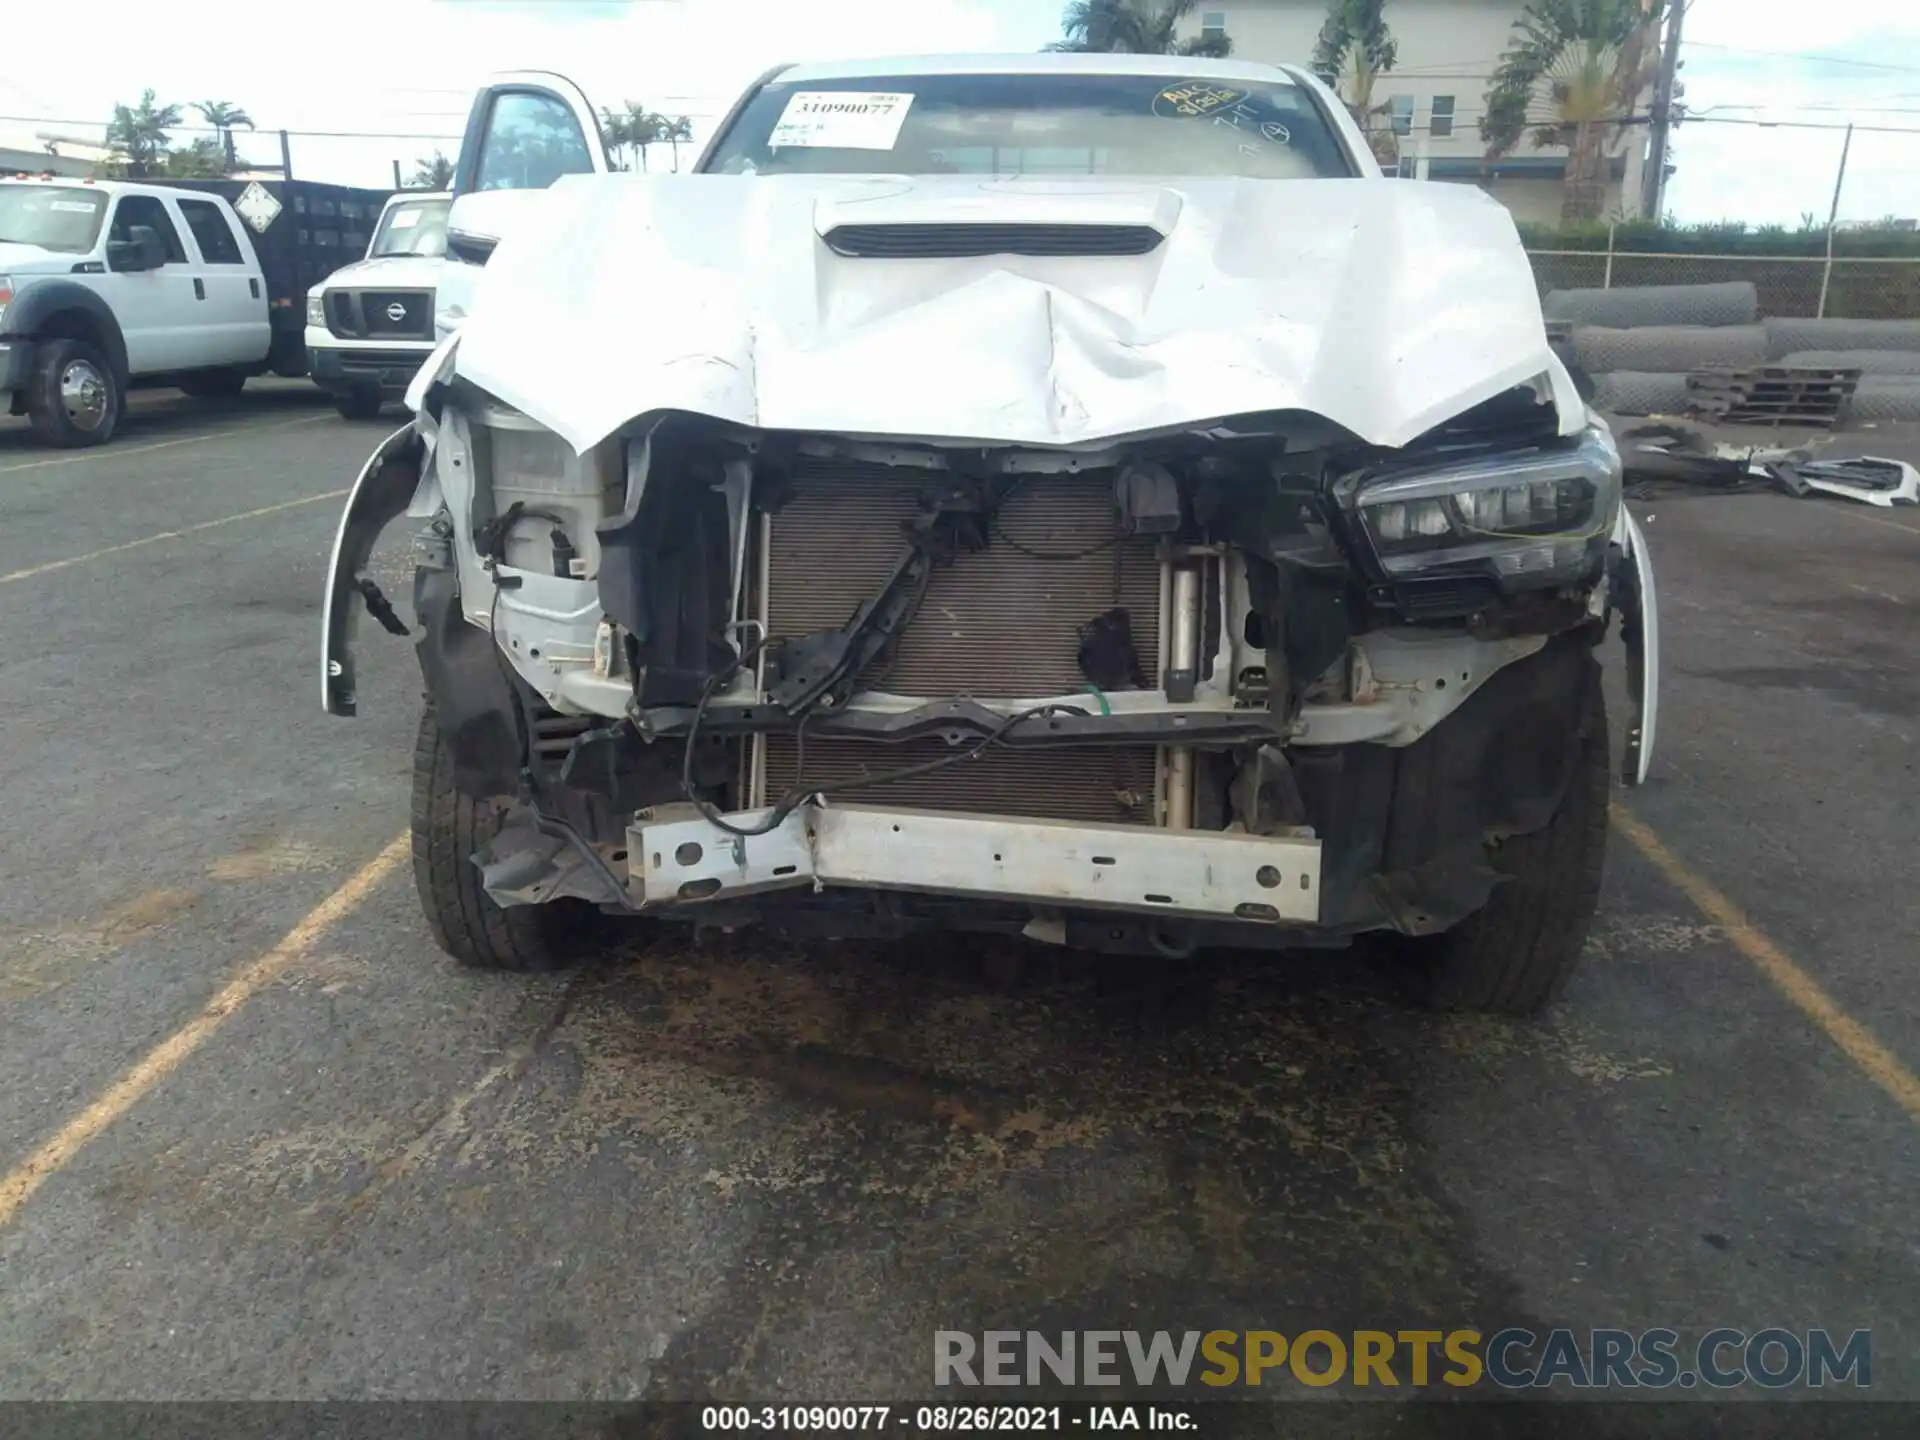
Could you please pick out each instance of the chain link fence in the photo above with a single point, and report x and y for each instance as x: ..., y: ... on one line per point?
x: 1851, y: 288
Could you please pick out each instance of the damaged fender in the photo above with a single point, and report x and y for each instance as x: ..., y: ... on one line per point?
x: 1638, y: 601
x: 381, y: 494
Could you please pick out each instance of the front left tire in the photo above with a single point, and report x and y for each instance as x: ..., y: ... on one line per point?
x: 1515, y: 956
x: 73, y: 397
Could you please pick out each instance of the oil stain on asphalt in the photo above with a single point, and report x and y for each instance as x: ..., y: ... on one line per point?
x: 34, y: 962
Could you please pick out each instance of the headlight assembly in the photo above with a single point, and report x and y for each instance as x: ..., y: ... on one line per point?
x: 1534, y: 519
x: 317, y: 310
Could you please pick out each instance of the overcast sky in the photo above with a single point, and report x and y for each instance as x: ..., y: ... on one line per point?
x: 409, y: 65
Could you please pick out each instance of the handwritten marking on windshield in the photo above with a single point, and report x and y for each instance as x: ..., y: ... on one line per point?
x: 1195, y: 97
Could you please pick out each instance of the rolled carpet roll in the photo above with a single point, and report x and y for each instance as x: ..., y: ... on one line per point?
x: 1665, y: 349
x: 1733, y: 302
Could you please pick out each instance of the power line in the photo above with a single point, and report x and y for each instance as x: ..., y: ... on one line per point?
x: 1804, y: 55
x: 1840, y: 109
x: 261, y: 130
x: 1802, y: 125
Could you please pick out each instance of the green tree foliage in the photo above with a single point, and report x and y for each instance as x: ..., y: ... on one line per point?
x: 137, y: 136
x: 1135, y: 27
x: 1355, y: 49
x: 630, y: 133
x: 1573, y: 71
x: 433, y: 173
x: 205, y: 159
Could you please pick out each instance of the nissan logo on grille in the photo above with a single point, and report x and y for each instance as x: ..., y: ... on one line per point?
x: 396, y: 312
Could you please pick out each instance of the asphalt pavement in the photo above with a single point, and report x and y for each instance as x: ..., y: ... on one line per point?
x: 259, y: 1139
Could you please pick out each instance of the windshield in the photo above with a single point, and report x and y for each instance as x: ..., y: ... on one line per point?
x: 412, y: 227
x: 54, y: 217
x: 1033, y: 124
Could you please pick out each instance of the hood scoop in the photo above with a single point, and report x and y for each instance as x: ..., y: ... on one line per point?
x: 922, y: 221
x: 957, y: 241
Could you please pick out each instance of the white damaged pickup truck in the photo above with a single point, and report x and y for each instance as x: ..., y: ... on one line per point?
x: 1064, y: 496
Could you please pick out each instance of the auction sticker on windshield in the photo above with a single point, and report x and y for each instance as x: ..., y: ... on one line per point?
x: 842, y: 119
x: 1191, y: 98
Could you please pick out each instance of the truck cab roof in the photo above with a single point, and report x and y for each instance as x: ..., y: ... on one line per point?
x: 1186, y: 67
x: 110, y: 187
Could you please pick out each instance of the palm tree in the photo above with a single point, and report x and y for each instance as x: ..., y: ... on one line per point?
x: 431, y: 174
x: 1137, y: 27
x: 137, y: 136
x: 643, y: 128
x: 1356, y: 34
x: 224, y: 117
x: 673, y: 131
x: 613, y: 132
x: 1586, y: 63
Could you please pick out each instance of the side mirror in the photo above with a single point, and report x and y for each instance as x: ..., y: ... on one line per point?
x: 481, y: 219
x: 142, y: 251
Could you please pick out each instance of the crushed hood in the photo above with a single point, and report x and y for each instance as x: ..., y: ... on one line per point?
x: 1384, y: 306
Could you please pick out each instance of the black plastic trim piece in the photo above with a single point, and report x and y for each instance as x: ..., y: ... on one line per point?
x: 961, y: 720
x: 956, y: 241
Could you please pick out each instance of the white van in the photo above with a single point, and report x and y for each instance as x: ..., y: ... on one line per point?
x: 370, y: 324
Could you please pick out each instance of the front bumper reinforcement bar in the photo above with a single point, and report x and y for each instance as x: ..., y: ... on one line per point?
x: 680, y: 857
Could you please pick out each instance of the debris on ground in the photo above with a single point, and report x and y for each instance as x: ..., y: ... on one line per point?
x: 1868, y: 479
x: 1665, y: 453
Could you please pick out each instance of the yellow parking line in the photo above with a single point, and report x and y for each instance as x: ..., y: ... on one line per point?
x: 52, y: 565
x: 161, y: 1061
x: 116, y: 452
x: 1881, y: 1065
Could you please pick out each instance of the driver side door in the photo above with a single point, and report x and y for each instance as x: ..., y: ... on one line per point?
x: 156, y: 308
x: 526, y: 130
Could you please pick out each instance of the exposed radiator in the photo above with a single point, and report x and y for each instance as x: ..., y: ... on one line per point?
x: 997, y: 625
x: 1001, y: 624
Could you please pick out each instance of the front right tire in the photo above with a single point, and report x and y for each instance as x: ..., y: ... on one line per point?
x: 214, y: 384
x: 73, y: 396
x: 449, y: 828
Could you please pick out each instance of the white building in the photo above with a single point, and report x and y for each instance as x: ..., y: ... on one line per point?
x: 39, y: 153
x: 1436, y: 91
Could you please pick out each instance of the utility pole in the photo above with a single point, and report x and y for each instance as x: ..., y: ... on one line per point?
x: 286, y: 157
x: 1653, y: 184
x: 1833, y: 219
x: 396, y: 176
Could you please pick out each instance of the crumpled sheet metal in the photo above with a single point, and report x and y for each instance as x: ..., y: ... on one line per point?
x: 1387, y: 308
x: 1672, y: 452
x: 1868, y: 479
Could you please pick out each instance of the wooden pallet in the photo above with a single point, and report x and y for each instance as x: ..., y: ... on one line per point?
x: 1774, y: 394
